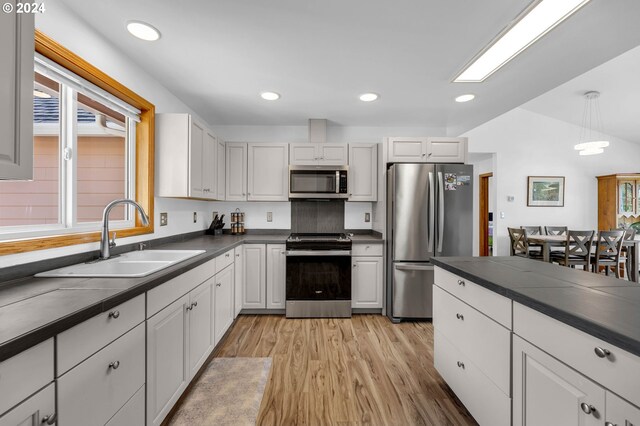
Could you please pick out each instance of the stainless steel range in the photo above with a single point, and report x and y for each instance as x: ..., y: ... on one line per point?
x: 318, y: 276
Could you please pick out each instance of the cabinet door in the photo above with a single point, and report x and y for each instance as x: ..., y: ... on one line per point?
x: 35, y: 411
x: 626, y: 194
x: 268, y: 172
x: 200, y: 326
x: 547, y: 392
x: 221, y: 170
x: 236, y: 164
x: 254, y: 293
x: 407, y: 150
x: 196, y: 141
x: 224, y: 302
x: 167, y: 352
x: 238, y: 279
x: 446, y: 150
x: 620, y: 413
x: 209, y: 169
x: 366, y: 282
x: 363, y: 172
x: 303, y: 154
x: 332, y: 154
x: 275, y: 276
x: 16, y: 92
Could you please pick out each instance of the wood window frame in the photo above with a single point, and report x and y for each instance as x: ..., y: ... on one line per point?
x: 144, y: 172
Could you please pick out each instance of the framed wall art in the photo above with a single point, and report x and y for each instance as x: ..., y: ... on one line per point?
x: 545, y: 191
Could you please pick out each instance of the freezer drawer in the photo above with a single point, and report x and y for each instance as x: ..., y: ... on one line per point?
x: 412, y: 290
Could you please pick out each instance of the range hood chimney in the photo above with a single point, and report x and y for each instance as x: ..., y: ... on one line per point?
x: 318, y: 130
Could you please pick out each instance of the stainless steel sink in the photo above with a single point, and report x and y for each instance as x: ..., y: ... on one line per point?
x: 133, y: 264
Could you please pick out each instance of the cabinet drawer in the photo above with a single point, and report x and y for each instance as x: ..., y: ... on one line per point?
x: 486, y: 403
x: 224, y: 260
x: 496, y: 307
x: 25, y: 373
x: 92, y: 392
x: 366, y: 249
x: 33, y: 411
x: 163, y: 295
x: 132, y: 414
x: 485, y: 342
x: 619, y: 412
x: 619, y: 371
x: 80, y: 342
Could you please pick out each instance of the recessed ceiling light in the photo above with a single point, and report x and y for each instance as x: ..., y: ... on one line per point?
x: 143, y: 31
x: 466, y: 98
x: 369, y: 97
x: 532, y: 24
x: 40, y: 94
x: 270, y: 96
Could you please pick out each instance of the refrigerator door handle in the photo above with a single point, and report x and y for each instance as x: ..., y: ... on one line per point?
x: 440, y: 211
x: 414, y: 267
x: 432, y: 211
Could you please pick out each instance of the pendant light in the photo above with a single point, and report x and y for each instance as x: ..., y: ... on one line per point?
x: 592, y: 140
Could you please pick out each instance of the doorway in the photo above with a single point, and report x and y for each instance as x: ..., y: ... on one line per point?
x: 486, y: 221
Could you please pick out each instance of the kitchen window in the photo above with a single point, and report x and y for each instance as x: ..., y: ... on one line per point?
x: 93, y: 143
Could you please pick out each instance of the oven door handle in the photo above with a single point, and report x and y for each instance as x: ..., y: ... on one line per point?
x: 294, y: 253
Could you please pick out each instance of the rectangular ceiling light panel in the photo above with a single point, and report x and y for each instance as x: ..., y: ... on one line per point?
x: 532, y: 24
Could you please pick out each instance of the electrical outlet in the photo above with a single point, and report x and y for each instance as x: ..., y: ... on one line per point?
x: 501, y: 215
x: 195, y: 217
x: 164, y: 219
x: 367, y: 217
x: 269, y: 216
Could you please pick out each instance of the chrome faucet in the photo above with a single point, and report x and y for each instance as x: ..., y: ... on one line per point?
x: 105, y: 244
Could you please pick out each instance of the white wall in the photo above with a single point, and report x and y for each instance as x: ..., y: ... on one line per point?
x: 530, y: 144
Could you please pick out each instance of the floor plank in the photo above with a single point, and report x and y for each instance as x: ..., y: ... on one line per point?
x: 359, y: 371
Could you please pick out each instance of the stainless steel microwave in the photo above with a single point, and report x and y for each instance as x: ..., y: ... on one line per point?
x: 318, y: 182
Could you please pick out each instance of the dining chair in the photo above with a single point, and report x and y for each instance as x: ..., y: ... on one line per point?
x: 629, y: 234
x: 577, y: 250
x: 520, y: 244
x: 555, y: 230
x: 533, y: 230
x: 608, y: 252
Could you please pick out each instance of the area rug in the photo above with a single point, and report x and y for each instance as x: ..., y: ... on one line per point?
x: 229, y: 392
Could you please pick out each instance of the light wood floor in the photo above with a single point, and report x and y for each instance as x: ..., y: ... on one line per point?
x: 364, y: 370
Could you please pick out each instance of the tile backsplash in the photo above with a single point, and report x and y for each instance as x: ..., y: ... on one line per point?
x: 317, y: 216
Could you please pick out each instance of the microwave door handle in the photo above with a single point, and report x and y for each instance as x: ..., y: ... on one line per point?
x: 441, y: 211
x: 432, y: 218
x: 337, y: 182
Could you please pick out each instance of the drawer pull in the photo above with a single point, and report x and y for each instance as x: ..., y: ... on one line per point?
x: 49, y: 419
x: 460, y: 317
x: 218, y: 285
x: 226, y: 255
x: 588, y: 409
x: 114, y: 365
x: 601, y: 352
x: 461, y: 282
x: 238, y: 255
x: 114, y: 314
x: 609, y: 424
x: 461, y: 364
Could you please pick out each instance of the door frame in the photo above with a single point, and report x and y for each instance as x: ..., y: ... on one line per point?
x: 483, y: 210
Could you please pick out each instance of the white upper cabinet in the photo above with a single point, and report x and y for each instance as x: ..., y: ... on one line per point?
x: 268, y: 172
x: 318, y: 154
x: 427, y: 150
x: 363, y: 172
x: 236, y: 173
x: 16, y: 92
x: 220, y: 169
x: 186, y: 157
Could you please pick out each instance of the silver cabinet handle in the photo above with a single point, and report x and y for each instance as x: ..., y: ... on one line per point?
x: 355, y: 265
x: 461, y: 282
x: 601, y: 352
x: 461, y: 364
x: 226, y: 255
x: 114, y: 365
x: 218, y: 285
x: 49, y: 419
x: 424, y: 155
x: 238, y: 255
x: 460, y: 317
x: 610, y: 424
x: 114, y: 314
x: 588, y: 409
x: 194, y: 304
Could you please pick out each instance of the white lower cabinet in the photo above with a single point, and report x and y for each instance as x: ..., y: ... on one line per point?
x: 93, y: 391
x: 200, y: 313
x: 619, y: 412
x: 132, y: 414
x: 547, y: 392
x: 40, y: 409
x: 276, y: 265
x: 366, y: 282
x: 224, y: 304
x: 254, y: 294
x: 167, y: 374
x: 238, y: 280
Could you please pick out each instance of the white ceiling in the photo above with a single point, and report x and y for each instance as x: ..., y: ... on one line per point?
x: 217, y: 56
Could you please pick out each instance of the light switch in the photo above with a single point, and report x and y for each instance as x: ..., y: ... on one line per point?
x: 367, y: 217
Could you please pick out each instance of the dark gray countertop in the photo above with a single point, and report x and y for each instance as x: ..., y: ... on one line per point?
x: 35, y: 309
x: 604, y: 307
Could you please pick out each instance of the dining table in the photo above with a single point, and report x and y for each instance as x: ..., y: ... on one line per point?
x: 547, y: 242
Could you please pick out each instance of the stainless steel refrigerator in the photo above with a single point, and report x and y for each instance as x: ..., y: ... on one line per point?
x: 429, y: 213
